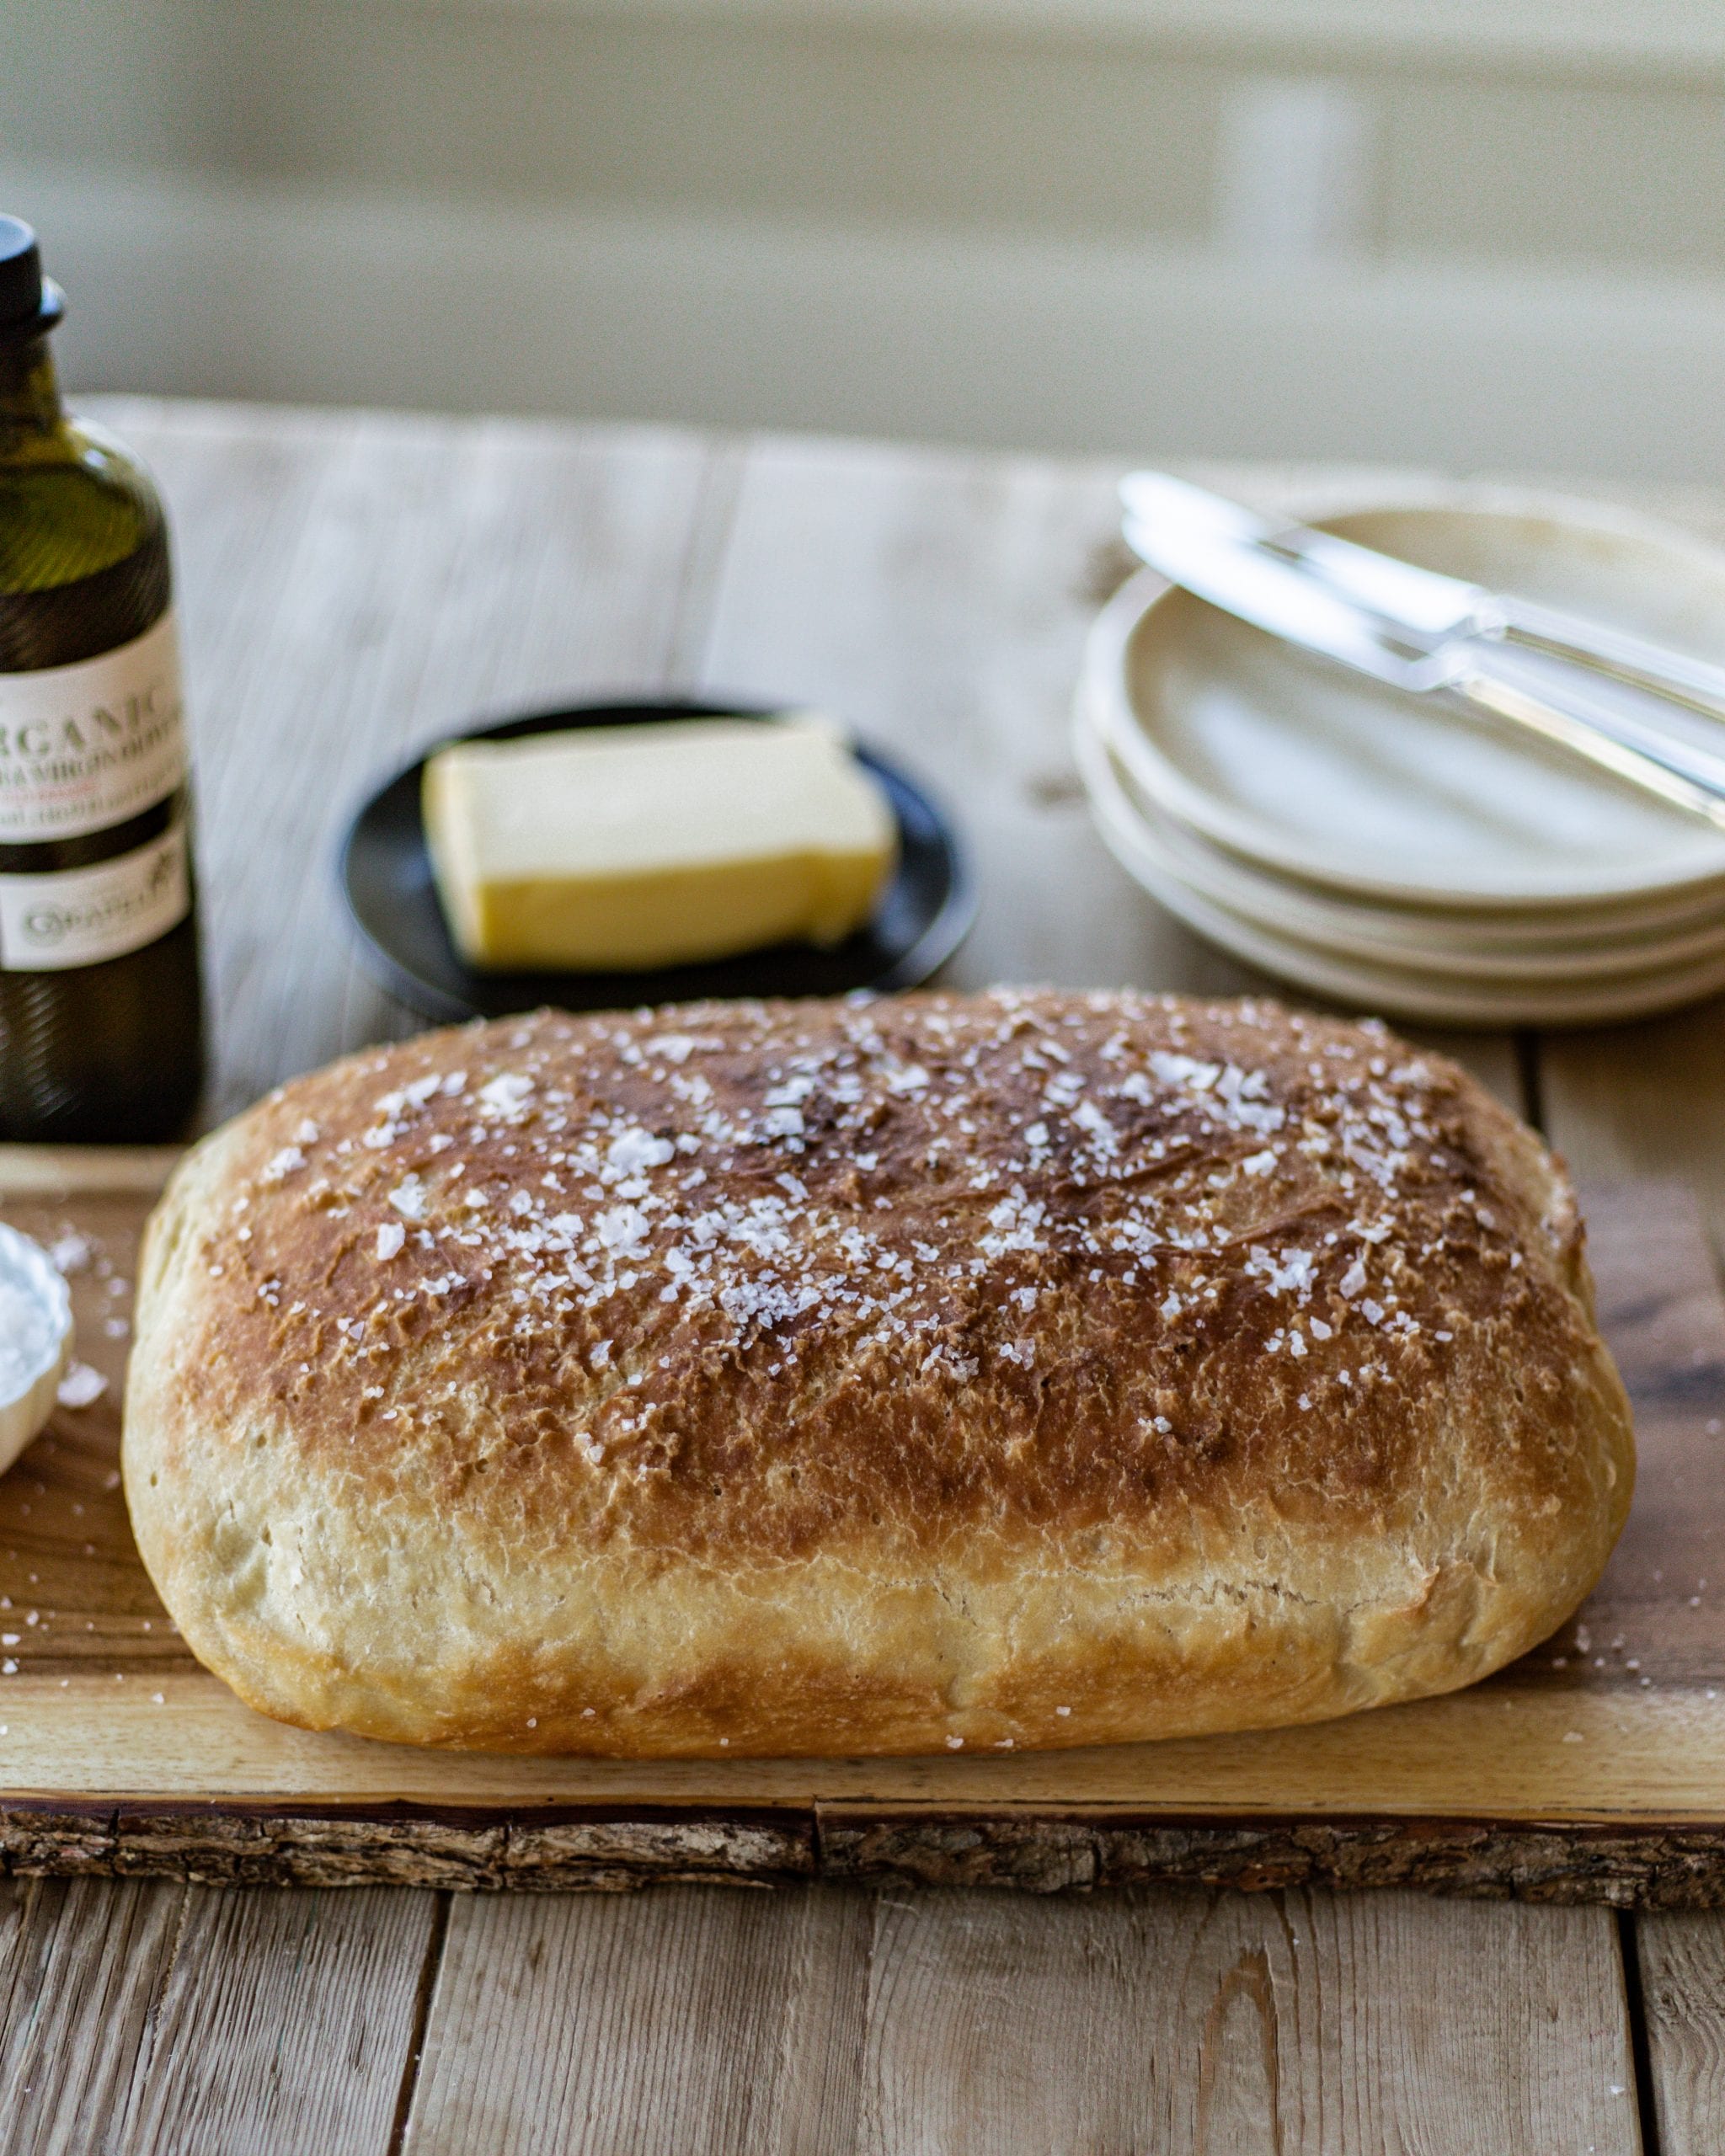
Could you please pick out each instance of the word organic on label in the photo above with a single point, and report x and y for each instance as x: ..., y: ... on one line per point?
x: 87, y: 745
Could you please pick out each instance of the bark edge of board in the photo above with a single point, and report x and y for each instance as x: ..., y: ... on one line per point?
x: 1648, y: 1865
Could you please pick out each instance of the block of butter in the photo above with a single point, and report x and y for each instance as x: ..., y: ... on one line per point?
x: 613, y: 848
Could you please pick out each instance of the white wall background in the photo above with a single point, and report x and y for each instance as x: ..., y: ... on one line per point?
x: 1429, y: 231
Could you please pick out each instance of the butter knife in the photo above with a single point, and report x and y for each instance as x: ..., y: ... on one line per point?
x: 1425, y: 601
x: 1559, y: 704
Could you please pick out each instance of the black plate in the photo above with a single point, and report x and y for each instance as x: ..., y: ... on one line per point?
x: 924, y: 914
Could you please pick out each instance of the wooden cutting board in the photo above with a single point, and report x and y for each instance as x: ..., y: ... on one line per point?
x: 1593, y: 1770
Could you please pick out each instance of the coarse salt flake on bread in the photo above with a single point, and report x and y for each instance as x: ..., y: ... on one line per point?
x: 888, y: 1375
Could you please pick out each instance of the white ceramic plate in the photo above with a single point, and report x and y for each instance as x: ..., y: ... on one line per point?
x: 1537, y: 950
x: 1404, y: 992
x: 1315, y: 773
x: 1513, y: 925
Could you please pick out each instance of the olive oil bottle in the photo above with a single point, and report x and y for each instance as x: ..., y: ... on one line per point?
x: 100, y: 1004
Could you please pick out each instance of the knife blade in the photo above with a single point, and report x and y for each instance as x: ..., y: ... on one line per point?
x: 1419, y: 599
x: 1428, y: 602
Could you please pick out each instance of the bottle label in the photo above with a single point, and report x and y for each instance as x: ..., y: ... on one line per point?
x: 85, y: 746
x: 80, y: 916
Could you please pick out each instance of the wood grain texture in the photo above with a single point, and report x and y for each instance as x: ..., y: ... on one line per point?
x: 939, y: 604
x: 1682, y: 1993
x: 1644, y: 1101
x: 956, y: 2025
x: 706, y: 2021
x: 139, y: 2017
x: 82, y: 1964
x: 1319, y: 2024
x: 1517, y: 1750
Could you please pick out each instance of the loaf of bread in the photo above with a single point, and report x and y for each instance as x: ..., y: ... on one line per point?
x: 910, y: 1374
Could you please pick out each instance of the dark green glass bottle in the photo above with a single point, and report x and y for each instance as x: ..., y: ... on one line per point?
x: 101, y: 1029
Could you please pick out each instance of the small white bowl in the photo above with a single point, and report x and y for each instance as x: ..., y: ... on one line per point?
x: 35, y: 1340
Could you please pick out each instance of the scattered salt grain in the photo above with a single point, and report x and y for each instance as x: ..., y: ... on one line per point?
x: 80, y: 1386
x: 506, y: 1095
x: 409, y: 1199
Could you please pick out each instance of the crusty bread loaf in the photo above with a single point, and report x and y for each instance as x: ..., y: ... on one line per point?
x: 879, y: 1376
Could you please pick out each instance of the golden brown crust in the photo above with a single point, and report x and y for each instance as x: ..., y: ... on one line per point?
x: 1020, y: 1369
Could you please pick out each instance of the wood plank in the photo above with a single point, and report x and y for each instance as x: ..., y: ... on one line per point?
x: 1311, y: 2023
x: 285, y: 2022
x: 1644, y: 1101
x: 969, y: 2022
x: 1518, y: 1750
x: 141, y: 2017
x: 68, y: 1172
x: 81, y: 1963
x: 691, y: 2019
x: 1682, y: 1996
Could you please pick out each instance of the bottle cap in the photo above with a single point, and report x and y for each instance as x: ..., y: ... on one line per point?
x: 30, y: 302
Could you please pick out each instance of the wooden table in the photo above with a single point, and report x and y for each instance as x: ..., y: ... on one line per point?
x: 352, y: 585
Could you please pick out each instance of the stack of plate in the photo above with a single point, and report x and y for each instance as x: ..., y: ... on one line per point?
x: 1385, y: 849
